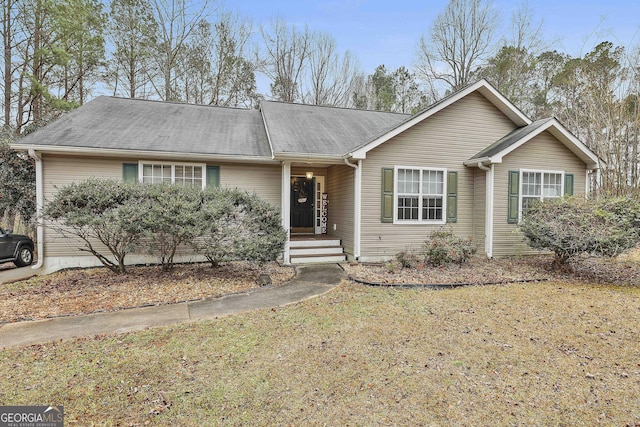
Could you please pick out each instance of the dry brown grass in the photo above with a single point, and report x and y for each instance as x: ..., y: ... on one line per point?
x: 541, y: 354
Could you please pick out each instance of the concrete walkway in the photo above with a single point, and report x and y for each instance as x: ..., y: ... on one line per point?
x: 310, y: 281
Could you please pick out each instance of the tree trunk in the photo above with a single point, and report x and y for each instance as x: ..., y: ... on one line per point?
x: 7, y: 33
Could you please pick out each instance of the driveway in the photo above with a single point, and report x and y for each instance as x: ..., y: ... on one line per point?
x: 10, y: 274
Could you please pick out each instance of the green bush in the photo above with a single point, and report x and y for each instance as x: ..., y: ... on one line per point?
x: 173, y: 217
x: 407, y: 259
x: 99, y: 210
x: 444, y: 247
x: 573, y: 226
x: 221, y: 224
x: 239, y: 226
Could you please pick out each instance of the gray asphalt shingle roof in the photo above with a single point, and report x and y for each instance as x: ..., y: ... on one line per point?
x: 131, y: 124
x: 313, y: 129
x: 510, y: 139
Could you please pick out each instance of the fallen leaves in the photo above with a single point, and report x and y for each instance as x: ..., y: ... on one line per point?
x: 85, y: 291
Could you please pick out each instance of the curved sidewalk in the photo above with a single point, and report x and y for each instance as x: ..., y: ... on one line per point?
x: 310, y: 281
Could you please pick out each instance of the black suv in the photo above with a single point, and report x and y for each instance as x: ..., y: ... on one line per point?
x: 15, y: 248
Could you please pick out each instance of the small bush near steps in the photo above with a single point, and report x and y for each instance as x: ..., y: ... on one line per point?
x: 444, y: 247
x: 441, y: 248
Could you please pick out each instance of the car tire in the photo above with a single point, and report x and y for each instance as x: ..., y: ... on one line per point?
x: 25, y: 257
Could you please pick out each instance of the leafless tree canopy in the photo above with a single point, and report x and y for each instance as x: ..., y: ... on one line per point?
x: 460, y: 38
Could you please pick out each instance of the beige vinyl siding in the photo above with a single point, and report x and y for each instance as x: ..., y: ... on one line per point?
x: 544, y: 152
x: 264, y: 180
x: 58, y: 171
x: 444, y: 140
x: 340, y: 182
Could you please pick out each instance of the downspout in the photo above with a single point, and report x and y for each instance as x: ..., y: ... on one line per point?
x: 357, y: 197
x: 39, y: 205
x: 488, y: 244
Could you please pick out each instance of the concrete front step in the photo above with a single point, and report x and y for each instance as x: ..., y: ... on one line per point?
x: 314, y: 243
x: 315, y: 251
x: 316, y: 259
x: 319, y: 250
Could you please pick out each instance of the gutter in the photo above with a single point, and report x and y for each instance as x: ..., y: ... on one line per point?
x: 39, y: 205
x: 144, y: 154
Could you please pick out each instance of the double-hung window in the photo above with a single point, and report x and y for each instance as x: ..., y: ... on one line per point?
x: 540, y: 185
x: 420, y: 195
x: 188, y: 174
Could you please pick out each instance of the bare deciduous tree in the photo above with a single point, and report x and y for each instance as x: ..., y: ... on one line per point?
x: 461, y: 37
x: 176, y: 19
x: 216, y: 67
x: 286, y: 59
x: 330, y: 79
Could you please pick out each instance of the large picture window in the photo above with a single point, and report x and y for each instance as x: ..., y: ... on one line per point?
x: 170, y: 173
x: 420, y: 195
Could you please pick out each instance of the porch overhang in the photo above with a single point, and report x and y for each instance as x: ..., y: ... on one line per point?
x: 301, y: 159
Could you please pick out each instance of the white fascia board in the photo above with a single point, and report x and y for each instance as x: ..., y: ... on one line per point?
x: 310, y: 158
x: 487, y: 90
x: 102, y: 152
x: 578, y: 146
x: 570, y: 141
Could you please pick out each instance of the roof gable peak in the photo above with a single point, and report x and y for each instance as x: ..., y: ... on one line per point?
x: 481, y: 86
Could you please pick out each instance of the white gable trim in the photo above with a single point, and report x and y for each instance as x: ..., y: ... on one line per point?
x: 561, y: 133
x: 495, y: 97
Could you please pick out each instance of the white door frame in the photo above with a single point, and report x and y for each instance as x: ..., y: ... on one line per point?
x: 318, y: 189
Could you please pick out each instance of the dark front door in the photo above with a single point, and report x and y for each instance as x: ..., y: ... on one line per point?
x: 302, y: 197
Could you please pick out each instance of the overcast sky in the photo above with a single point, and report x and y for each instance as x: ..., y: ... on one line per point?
x: 387, y: 31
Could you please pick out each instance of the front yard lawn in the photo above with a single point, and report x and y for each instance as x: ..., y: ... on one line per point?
x: 559, y: 352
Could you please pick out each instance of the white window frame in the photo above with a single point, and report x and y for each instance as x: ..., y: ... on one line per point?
x: 421, y: 196
x: 173, y: 165
x: 542, y: 196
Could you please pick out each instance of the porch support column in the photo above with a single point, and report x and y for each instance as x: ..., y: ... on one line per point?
x: 357, y: 210
x: 488, y: 241
x: 286, y: 207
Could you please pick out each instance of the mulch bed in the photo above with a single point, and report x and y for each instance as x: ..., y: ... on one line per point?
x: 622, y: 271
x: 85, y: 291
